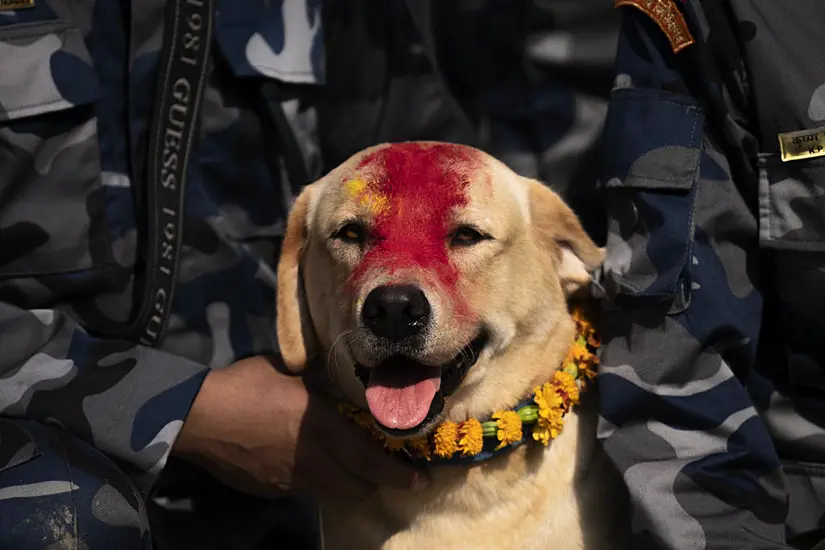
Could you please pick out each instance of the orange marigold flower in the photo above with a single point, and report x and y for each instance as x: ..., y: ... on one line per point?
x: 470, y: 437
x: 593, y: 341
x: 445, y: 440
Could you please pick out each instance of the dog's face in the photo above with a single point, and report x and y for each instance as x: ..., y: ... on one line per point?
x: 417, y: 269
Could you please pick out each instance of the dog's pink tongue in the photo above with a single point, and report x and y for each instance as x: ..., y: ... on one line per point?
x: 399, y: 393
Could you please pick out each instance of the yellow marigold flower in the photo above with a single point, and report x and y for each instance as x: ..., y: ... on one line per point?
x: 548, y: 427
x: 541, y: 433
x: 445, y: 440
x: 420, y: 446
x: 538, y: 392
x: 550, y: 414
x: 579, y: 351
x: 567, y: 388
x: 547, y: 398
x: 470, y: 439
x: 555, y: 423
x: 509, y: 427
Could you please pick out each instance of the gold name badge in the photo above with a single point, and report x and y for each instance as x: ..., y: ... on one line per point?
x: 15, y: 4
x: 803, y: 144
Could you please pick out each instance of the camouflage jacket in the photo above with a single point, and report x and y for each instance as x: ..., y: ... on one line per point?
x: 713, y: 363
x: 77, y: 82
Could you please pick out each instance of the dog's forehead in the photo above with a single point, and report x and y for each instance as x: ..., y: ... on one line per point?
x: 443, y: 176
x: 428, y: 170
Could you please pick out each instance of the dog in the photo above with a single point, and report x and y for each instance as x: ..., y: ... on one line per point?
x: 419, y: 265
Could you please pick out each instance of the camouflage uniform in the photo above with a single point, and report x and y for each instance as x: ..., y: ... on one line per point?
x: 713, y: 363
x: 86, y: 422
x: 77, y: 83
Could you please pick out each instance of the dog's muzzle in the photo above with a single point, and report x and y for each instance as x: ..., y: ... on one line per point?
x: 405, y: 396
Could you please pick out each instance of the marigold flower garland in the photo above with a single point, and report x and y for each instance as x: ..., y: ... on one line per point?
x: 543, y: 414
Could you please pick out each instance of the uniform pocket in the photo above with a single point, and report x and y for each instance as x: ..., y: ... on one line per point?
x: 16, y: 445
x: 52, y: 217
x: 792, y: 203
x: 792, y: 223
x: 652, y: 149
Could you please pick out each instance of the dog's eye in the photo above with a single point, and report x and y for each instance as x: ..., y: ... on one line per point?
x: 351, y: 233
x: 466, y: 236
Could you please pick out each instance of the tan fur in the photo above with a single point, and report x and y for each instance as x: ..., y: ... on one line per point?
x: 291, y: 327
x: 564, y: 496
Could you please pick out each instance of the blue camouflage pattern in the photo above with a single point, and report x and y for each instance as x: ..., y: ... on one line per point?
x: 59, y: 493
x: 77, y: 83
x: 712, y: 379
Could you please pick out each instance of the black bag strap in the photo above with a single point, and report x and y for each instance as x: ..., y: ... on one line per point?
x: 174, y: 128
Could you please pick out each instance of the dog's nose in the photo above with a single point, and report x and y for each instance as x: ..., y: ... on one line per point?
x: 396, y: 312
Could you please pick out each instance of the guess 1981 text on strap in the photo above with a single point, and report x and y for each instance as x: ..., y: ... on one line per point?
x: 175, y: 120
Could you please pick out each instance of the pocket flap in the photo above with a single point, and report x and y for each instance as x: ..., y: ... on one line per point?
x: 657, y: 138
x: 652, y: 149
x: 282, y: 40
x: 44, y: 67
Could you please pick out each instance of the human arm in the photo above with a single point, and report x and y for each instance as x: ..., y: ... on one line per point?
x: 125, y: 399
x: 269, y: 433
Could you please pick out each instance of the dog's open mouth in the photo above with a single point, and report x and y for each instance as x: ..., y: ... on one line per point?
x: 404, y: 395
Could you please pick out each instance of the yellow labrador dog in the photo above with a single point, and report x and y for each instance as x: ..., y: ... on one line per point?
x: 436, y: 281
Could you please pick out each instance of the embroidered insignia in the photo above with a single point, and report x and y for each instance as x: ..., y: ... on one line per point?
x: 666, y: 14
x: 802, y: 144
x: 15, y: 4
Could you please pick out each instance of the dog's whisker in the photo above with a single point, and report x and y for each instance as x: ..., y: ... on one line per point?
x: 332, y: 355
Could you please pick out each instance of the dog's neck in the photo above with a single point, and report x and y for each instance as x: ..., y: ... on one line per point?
x: 538, y: 418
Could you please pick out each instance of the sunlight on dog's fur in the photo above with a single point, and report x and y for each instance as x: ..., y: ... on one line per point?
x: 411, y: 261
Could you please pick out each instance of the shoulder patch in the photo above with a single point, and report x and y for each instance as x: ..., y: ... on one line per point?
x: 15, y: 4
x: 667, y: 15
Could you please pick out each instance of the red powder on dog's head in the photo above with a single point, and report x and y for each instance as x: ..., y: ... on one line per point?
x: 418, y: 187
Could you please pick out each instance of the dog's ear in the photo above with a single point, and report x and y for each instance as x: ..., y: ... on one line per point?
x: 294, y: 325
x: 561, y: 233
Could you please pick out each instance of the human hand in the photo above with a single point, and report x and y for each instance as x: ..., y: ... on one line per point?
x: 263, y: 433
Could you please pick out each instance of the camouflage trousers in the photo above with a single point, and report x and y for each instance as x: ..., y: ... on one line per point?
x: 57, y: 493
